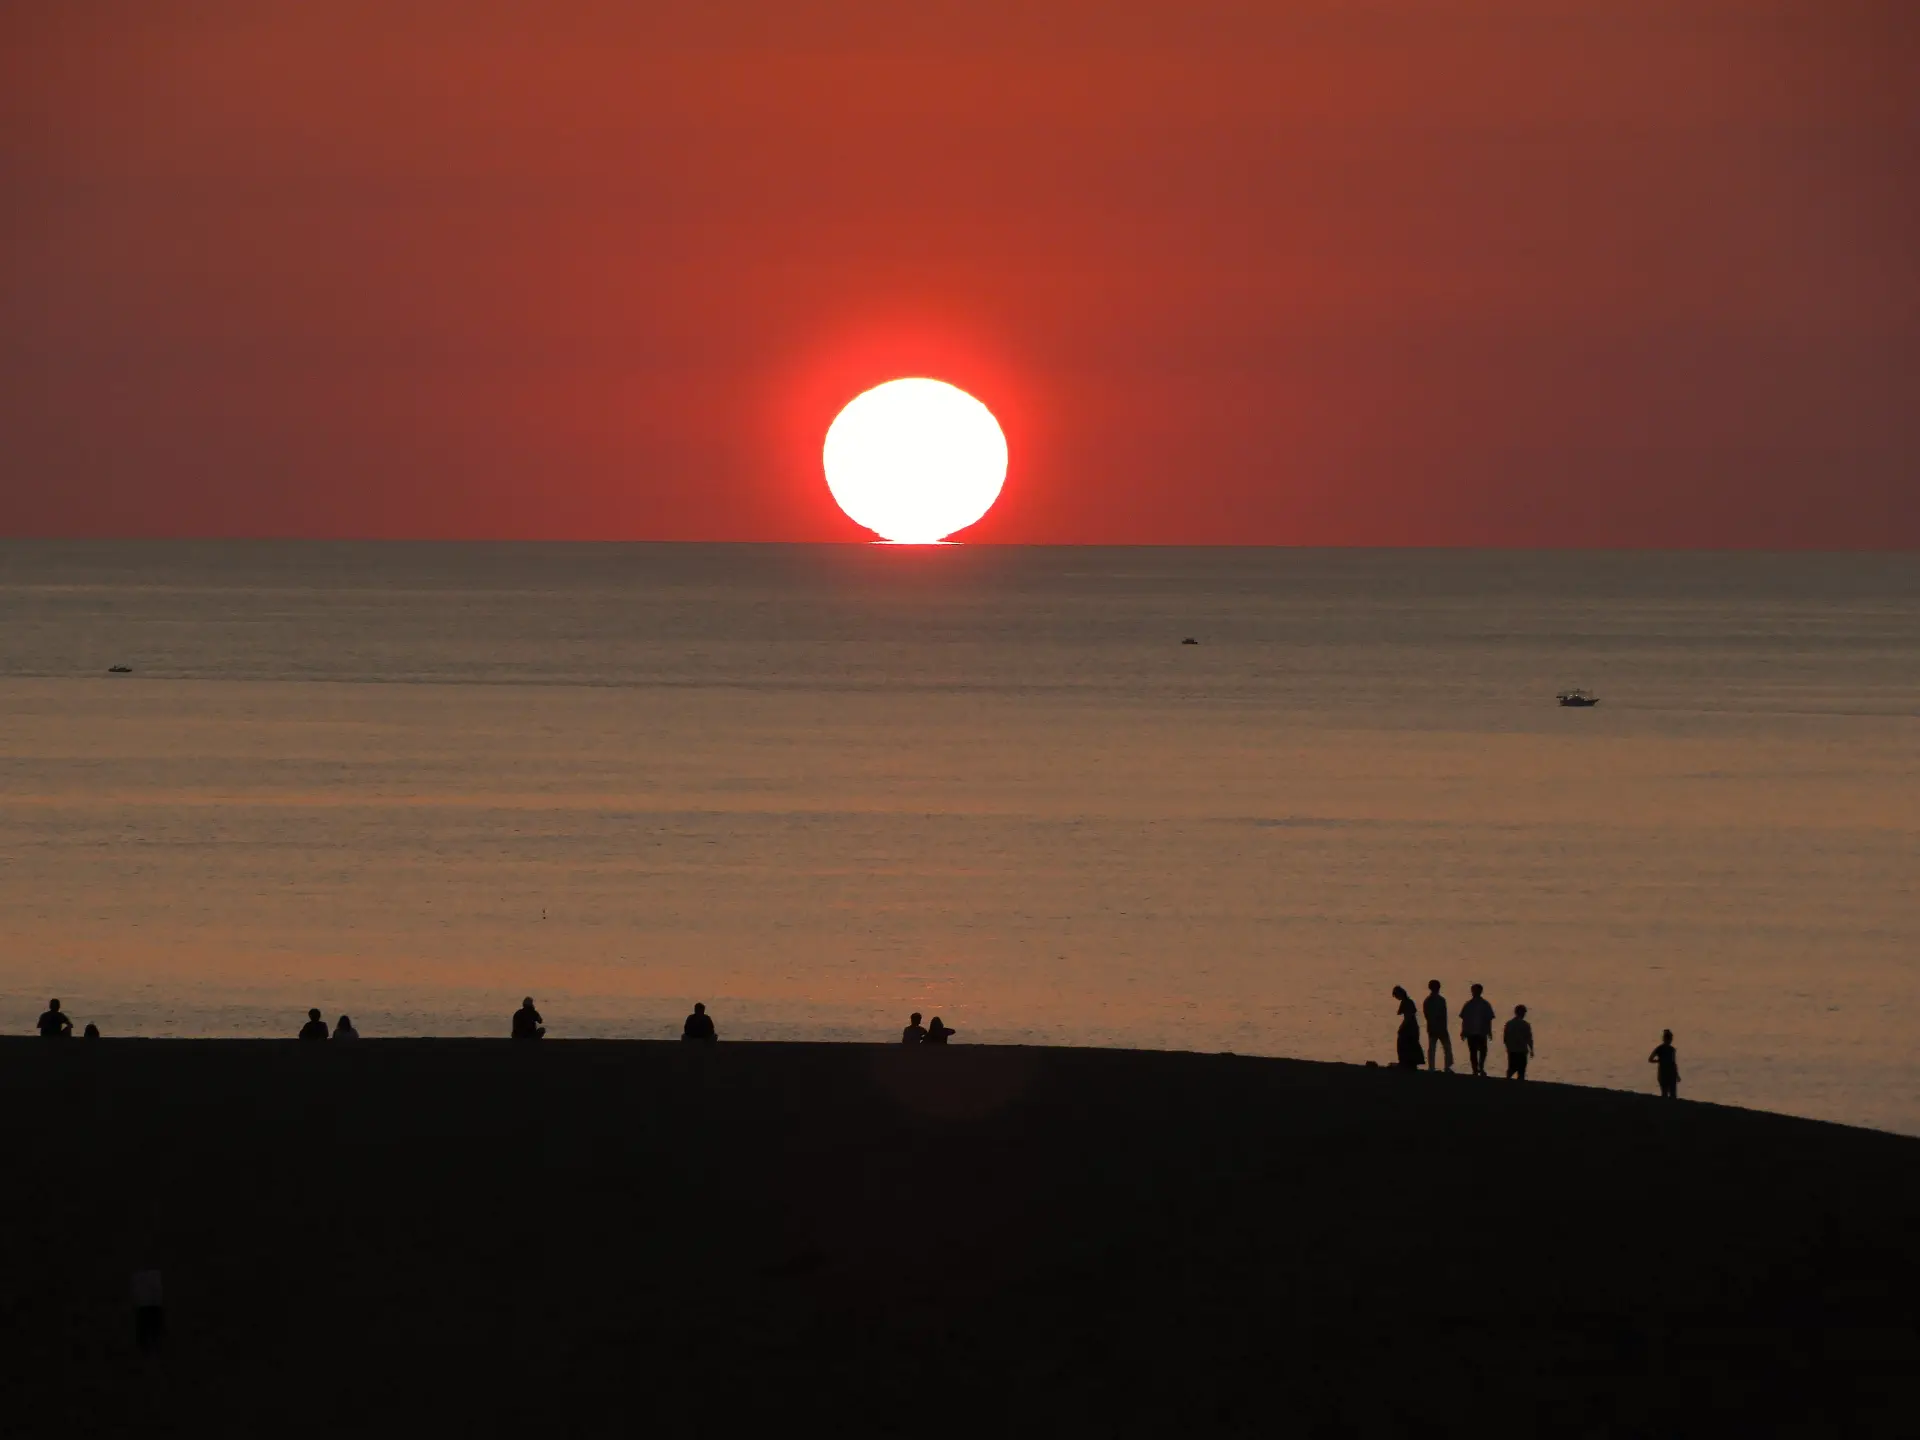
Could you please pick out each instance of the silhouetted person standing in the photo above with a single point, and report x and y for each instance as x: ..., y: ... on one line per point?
x: 1476, y: 1028
x: 1434, y: 1010
x: 1519, y: 1038
x: 1407, y: 1045
x: 54, y: 1025
x: 915, y: 1031
x: 315, y: 1028
x: 527, y: 1024
x: 699, y: 1026
x: 1665, y: 1056
x: 344, y: 1030
x: 937, y: 1033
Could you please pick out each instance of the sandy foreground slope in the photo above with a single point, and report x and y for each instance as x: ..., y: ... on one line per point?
x: 618, y: 1237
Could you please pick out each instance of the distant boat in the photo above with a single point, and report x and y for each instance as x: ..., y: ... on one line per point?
x: 1577, y: 699
x: 1189, y: 641
x: 119, y: 669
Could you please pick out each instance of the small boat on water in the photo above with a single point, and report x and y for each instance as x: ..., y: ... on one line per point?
x: 119, y: 669
x: 1577, y: 699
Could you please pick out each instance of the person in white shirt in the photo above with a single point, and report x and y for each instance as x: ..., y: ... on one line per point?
x: 1476, y: 1028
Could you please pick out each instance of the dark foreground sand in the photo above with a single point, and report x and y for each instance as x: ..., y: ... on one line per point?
x: 592, y: 1237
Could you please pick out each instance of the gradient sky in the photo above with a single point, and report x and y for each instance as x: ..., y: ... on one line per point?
x: 1535, y: 272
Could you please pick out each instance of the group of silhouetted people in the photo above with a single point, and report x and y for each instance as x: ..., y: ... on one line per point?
x: 316, y: 1028
x: 56, y: 1024
x: 932, y: 1033
x: 1476, y: 1028
x: 528, y: 1025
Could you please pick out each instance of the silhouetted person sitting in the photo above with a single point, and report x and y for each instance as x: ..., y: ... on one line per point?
x: 915, y: 1031
x: 315, y: 1028
x: 527, y: 1024
x: 54, y: 1025
x: 1434, y: 1010
x: 1665, y: 1056
x: 1519, y: 1039
x: 937, y: 1033
x: 92, y: 1032
x: 344, y: 1030
x: 1407, y: 1045
x: 699, y: 1026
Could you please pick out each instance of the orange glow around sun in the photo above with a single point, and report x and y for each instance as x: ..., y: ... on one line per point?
x: 914, y: 460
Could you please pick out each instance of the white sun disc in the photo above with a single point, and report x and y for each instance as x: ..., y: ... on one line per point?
x: 915, y: 460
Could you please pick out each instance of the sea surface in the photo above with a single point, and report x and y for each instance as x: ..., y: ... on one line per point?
x: 821, y: 787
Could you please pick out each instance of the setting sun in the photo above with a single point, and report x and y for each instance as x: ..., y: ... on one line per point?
x: 915, y: 460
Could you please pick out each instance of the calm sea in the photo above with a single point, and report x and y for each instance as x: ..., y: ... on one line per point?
x: 820, y: 787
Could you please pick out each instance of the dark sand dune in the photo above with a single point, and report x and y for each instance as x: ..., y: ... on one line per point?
x: 626, y: 1237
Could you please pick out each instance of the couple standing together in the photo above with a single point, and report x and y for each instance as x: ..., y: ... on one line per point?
x: 1476, y: 1028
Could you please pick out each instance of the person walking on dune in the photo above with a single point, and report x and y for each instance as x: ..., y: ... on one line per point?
x: 1476, y: 1028
x: 527, y: 1024
x: 315, y: 1028
x: 1434, y: 1010
x: 915, y: 1033
x: 54, y: 1025
x: 1519, y: 1038
x: 699, y: 1026
x: 1407, y: 1043
x: 1668, y: 1059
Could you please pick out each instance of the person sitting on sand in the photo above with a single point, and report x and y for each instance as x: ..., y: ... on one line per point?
x: 344, y: 1030
x: 937, y: 1033
x: 54, y: 1025
x: 1519, y: 1038
x: 1407, y: 1046
x: 699, y: 1026
x: 527, y: 1024
x: 92, y: 1032
x: 1668, y: 1059
x: 1434, y: 1010
x: 1476, y: 1028
x: 915, y: 1031
x: 315, y: 1028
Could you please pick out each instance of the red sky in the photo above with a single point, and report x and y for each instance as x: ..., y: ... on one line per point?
x: 1528, y: 272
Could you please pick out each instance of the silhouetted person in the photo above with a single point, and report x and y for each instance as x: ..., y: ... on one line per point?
x: 54, y: 1025
x: 937, y: 1033
x: 1668, y: 1060
x: 1434, y: 1010
x: 92, y: 1032
x: 699, y: 1026
x: 1476, y: 1028
x: 527, y: 1024
x: 344, y: 1030
x: 1519, y: 1040
x: 315, y: 1028
x: 1407, y: 1046
x: 915, y: 1031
